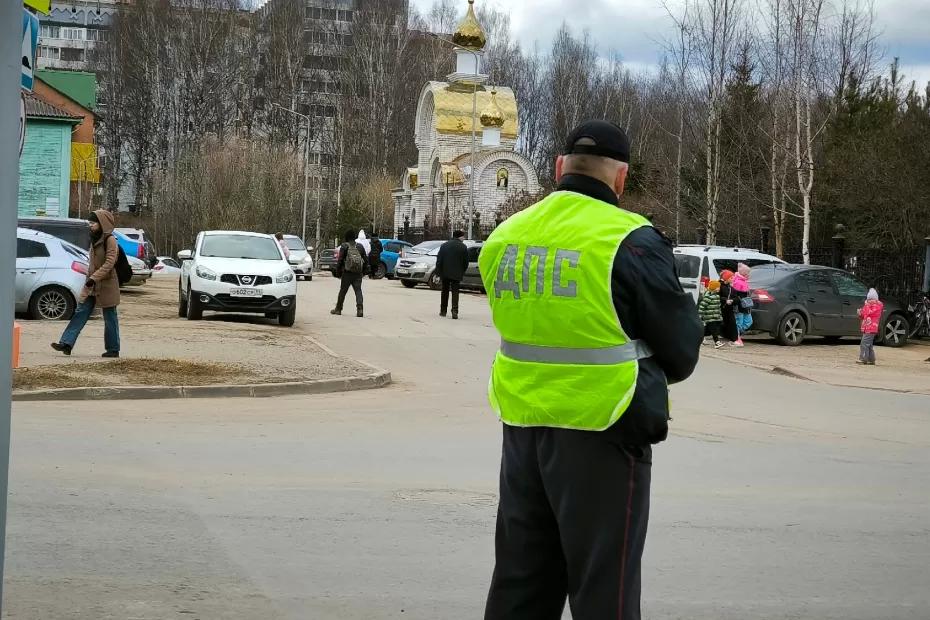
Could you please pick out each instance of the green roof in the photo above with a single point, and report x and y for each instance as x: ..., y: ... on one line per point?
x: 80, y: 86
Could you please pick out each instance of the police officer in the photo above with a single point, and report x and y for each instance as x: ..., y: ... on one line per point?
x: 594, y: 325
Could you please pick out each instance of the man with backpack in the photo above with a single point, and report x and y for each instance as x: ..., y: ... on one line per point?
x: 101, y: 288
x: 351, y: 267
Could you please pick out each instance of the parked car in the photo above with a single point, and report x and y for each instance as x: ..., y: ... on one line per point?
x: 418, y: 266
x: 699, y: 264
x: 229, y: 271
x: 74, y: 231
x: 328, y: 260
x: 133, y: 248
x: 139, y: 236
x: 140, y: 272
x: 389, y: 257
x: 50, y: 274
x: 166, y: 266
x: 793, y: 302
x: 300, y: 258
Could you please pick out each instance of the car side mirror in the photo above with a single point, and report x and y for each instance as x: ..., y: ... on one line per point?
x: 185, y: 255
x: 309, y: 248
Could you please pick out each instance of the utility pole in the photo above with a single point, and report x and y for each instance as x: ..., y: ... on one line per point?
x: 303, y: 232
x: 11, y: 36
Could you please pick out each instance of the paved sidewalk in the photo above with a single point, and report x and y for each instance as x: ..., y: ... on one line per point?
x: 903, y: 370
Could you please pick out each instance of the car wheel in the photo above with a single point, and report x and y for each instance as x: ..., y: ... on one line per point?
x: 288, y: 317
x: 53, y: 303
x: 792, y: 329
x: 182, y: 303
x: 409, y: 283
x: 380, y: 272
x: 194, y: 309
x: 435, y: 282
x: 895, y: 332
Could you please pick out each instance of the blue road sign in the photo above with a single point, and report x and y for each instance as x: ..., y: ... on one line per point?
x: 30, y: 45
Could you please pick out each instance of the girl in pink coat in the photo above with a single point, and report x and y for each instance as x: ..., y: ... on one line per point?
x: 871, y: 315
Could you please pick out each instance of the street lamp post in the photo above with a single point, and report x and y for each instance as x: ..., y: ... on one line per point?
x: 474, y: 126
x: 303, y: 234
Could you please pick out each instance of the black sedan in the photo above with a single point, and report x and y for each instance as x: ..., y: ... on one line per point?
x: 793, y: 302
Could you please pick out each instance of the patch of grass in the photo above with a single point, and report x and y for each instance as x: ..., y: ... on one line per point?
x: 130, y: 372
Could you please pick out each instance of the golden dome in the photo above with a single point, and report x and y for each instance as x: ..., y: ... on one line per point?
x: 470, y: 34
x: 492, y: 115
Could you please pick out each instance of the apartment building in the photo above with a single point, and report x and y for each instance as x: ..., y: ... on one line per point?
x: 71, y: 31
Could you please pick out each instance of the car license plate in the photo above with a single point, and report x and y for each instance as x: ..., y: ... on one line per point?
x: 246, y: 292
x: 403, y: 272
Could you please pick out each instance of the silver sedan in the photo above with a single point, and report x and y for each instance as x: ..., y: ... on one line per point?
x: 50, y: 274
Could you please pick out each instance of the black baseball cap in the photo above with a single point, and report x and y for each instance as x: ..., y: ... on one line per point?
x: 609, y: 141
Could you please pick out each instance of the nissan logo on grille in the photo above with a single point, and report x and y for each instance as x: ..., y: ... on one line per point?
x: 246, y: 279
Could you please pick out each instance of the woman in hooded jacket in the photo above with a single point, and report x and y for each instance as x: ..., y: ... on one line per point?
x: 101, y: 289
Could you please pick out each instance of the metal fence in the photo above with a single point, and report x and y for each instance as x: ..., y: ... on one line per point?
x: 419, y: 234
x: 896, y: 274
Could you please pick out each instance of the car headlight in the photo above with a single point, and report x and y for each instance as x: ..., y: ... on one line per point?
x: 421, y: 266
x: 206, y: 274
x: 284, y: 277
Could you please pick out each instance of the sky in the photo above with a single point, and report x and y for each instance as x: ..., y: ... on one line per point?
x: 637, y: 29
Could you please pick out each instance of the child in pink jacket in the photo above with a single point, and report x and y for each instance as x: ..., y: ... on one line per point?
x: 871, y: 315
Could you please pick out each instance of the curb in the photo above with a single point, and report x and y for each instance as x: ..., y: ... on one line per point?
x: 378, y: 379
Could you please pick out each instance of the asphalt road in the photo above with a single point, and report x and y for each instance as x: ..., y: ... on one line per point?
x: 773, y: 499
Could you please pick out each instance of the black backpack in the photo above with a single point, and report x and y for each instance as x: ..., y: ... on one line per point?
x: 122, y: 268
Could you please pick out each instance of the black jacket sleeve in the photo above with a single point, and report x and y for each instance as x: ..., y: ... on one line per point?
x: 653, y: 306
x: 441, y: 260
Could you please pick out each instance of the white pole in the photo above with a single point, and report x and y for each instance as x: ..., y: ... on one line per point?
x: 471, y: 177
x: 303, y: 234
x: 10, y: 70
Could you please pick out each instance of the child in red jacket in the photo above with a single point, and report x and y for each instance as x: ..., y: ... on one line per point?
x: 871, y: 315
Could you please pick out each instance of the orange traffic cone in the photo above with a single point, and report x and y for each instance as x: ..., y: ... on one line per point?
x: 17, y: 334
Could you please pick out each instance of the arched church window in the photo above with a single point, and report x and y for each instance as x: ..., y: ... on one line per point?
x: 503, y: 178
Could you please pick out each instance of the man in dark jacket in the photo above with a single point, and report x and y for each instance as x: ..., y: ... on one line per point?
x: 451, y: 265
x: 350, y: 269
x: 375, y: 257
x: 574, y: 504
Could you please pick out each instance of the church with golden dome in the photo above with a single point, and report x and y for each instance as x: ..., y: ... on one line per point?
x: 466, y: 133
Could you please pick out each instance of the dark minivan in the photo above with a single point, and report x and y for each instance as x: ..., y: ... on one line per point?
x: 793, y: 302
x: 74, y: 231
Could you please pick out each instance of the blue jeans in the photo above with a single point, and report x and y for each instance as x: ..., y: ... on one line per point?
x: 79, y: 320
x: 743, y: 322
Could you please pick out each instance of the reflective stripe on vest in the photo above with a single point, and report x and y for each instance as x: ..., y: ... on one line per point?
x: 631, y: 351
x: 565, y: 360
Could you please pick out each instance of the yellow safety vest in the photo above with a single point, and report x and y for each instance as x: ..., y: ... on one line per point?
x: 564, y: 361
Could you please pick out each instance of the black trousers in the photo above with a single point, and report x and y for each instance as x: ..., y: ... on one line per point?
x: 713, y: 330
x: 447, y: 286
x: 354, y: 281
x: 574, y: 506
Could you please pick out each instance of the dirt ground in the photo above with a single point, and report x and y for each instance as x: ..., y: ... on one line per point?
x: 905, y: 370
x: 159, y: 348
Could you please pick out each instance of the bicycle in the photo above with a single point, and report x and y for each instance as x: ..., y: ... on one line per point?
x: 920, y: 317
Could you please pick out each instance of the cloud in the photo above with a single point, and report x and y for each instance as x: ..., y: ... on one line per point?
x: 637, y: 29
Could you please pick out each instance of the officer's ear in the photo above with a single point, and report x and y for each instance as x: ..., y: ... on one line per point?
x: 620, y: 180
x: 559, y: 165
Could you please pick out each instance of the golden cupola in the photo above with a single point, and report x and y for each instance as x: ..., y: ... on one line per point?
x: 470, y: 34
x: 492, y: 115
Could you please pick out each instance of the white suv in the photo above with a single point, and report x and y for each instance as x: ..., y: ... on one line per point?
x: 237, y: 272
x: 699, y: 264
